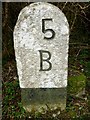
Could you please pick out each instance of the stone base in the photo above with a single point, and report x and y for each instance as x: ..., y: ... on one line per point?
x: 39, y: 99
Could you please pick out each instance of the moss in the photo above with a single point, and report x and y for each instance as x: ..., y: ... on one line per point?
x: 76, y: 83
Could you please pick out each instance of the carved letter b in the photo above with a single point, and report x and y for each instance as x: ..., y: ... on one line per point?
x: 45, y: 60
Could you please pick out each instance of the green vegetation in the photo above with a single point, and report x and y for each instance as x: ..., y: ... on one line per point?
x: 76, y: 84
x: 11, y: 105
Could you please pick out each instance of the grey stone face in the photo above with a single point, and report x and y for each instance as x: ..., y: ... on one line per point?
x: 41, y: 38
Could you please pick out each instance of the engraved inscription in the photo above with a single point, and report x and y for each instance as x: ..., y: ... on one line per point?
x: 45, y: 60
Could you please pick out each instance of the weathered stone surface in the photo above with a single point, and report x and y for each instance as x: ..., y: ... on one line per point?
x: 29, y: 40
x: 39, y: 99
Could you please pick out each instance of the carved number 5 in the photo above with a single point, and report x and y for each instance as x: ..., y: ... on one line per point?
x: 45, y: 30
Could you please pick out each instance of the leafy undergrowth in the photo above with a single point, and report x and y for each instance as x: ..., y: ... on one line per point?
x: 77, y: 108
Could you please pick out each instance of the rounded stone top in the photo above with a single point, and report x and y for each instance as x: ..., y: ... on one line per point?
x: 41, y: 38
